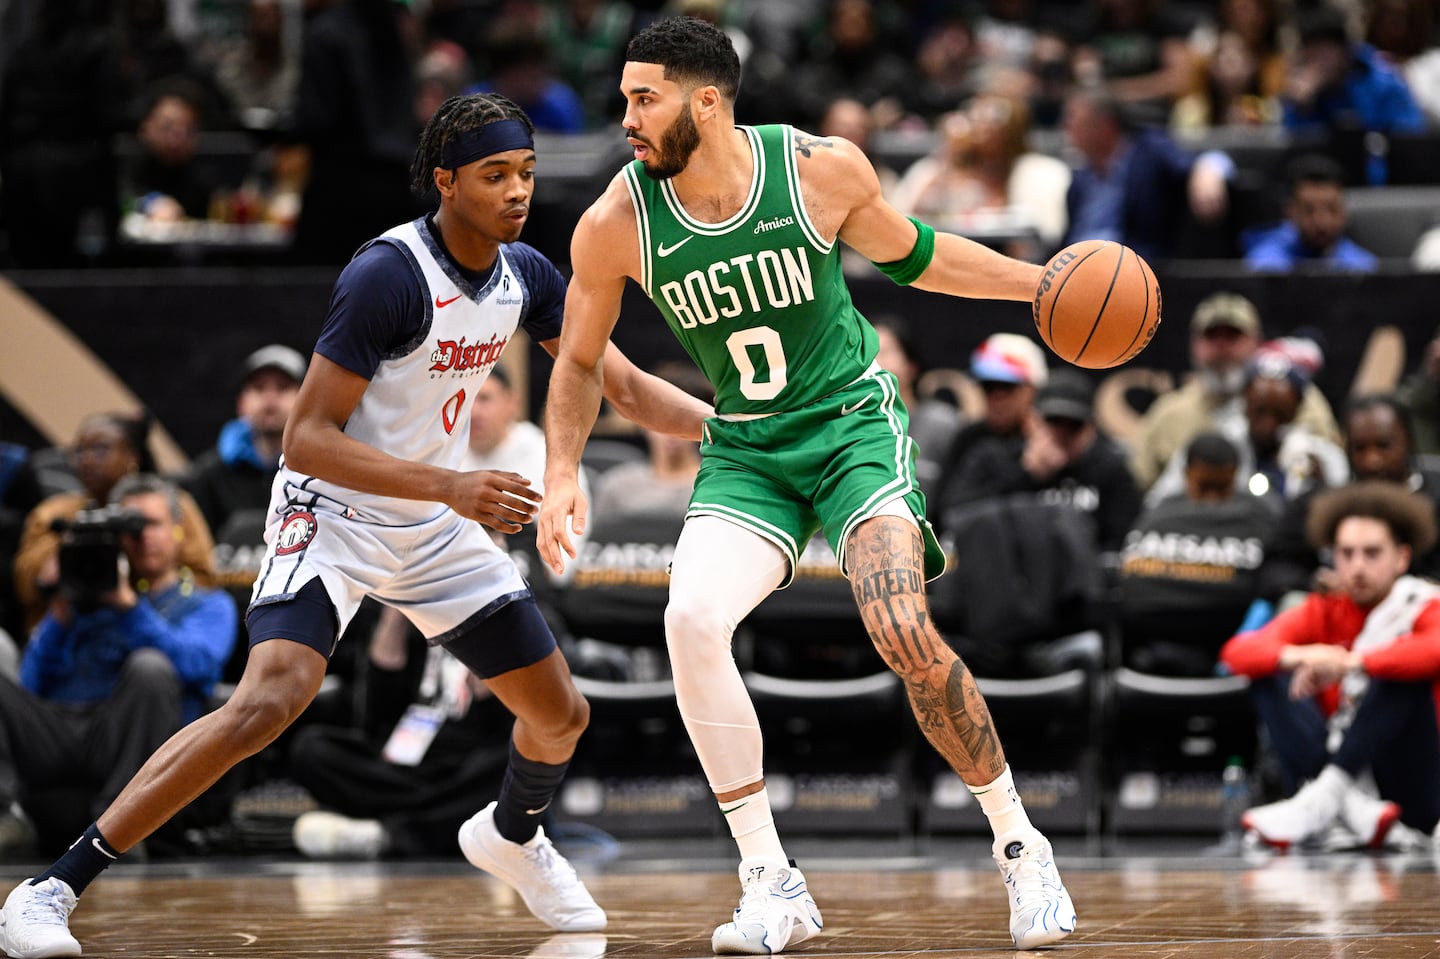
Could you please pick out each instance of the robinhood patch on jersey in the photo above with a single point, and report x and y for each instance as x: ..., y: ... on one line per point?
x: 296, y: 532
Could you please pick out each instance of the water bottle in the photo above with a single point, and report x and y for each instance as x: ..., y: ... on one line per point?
x: 1234, y: 800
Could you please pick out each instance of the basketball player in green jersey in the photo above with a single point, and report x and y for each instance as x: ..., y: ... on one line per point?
x: 733, y: 232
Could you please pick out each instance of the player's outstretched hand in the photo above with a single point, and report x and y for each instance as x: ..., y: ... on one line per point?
x: 564, y: 509
x: 500, y: 500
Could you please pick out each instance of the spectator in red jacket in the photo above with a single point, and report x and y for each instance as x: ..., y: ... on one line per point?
x: 1347, y: 683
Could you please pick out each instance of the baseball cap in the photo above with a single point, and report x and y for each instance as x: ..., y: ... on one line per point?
x: 1066, y: 396
x: 1009, y: 358
x: 274, y: 357
x: 1228, y: 310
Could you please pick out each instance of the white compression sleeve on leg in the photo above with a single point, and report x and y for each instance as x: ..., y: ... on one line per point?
x: 719, y: 573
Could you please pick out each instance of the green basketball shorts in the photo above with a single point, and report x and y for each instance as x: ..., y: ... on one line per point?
x: 826, y: 466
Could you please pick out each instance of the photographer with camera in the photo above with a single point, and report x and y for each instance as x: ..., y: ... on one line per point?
x: 127, y: 653
x: 108, y: 447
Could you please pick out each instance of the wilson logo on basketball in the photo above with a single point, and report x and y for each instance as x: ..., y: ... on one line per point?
x: 295, y: 532
x: 1097, y: 304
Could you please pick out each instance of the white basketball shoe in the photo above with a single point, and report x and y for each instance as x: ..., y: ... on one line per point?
x: 1040, y: 909
x: 543, y: 878
x: 776, y: 910
x: 35, y: 923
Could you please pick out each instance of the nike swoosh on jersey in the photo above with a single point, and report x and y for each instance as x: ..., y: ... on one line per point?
x: 847, y: 410
x: 441, y: 304
x: 663, y: 250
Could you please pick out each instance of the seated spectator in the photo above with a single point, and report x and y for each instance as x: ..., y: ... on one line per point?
x: 986, y: 167
x: 1009, y: 369
x: 1403, y: 32
x: 119, y: 662
x: 237, y: 473
x: 259, y: 71
x: 663, y: 483
x: 1286, y: 459
x: 1278, y: 455
x: 520, y: 68
x: 945, y: 183
x: 1378, y: 446
x: 1224, y: 335
x: 1062, y: 459
x: 1420, y: 392
x: 1190, y: 567
x: 1140, y: 49
x: 167, y: 182
x: 850, y: 54
x: 1335, y: 83
x: 947, y: 66
x: 108, y: 447
x: 933, y: 420
x: 1228, y: 90
x: 1346, y: 683
x: 1313, y: 232
x: 1134, y: 185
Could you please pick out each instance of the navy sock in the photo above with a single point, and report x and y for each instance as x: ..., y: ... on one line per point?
x: 525, y: 794
x: 86, y: 858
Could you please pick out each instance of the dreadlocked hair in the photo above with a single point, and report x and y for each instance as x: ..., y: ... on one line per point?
x: 459, y: 114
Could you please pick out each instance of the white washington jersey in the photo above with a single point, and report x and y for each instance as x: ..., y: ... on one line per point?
x: 425, y: 347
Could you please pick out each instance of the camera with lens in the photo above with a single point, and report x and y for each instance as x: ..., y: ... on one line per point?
x: 90, y: 552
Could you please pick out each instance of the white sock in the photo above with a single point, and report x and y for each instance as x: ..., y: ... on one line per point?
x: 1001, y: 805
x: 753, y: 826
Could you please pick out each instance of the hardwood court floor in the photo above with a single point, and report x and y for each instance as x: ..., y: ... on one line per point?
x: 941, y: 900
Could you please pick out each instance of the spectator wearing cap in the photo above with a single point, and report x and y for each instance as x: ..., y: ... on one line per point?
x: 1279, y: 456
x: 232, y: 480
x: 1313, y: 231
x: 1009, y: 369
x: 1225, y: 335
x: 1060, y: 457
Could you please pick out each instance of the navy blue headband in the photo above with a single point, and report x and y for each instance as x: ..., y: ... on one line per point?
x: 477, y: 144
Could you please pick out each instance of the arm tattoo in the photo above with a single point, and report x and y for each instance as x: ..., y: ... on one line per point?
x: 886, y: 560
x: 804, y: 144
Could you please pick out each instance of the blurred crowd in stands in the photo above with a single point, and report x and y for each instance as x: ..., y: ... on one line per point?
x: 1239, y: 129
x: 254, y: 124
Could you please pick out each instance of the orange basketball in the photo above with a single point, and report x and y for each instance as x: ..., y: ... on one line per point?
x: 1098, y: 304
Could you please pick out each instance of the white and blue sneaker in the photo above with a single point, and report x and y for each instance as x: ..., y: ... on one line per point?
x: 776, y: 910
x: 1040, y: 909
x: 35, y: 922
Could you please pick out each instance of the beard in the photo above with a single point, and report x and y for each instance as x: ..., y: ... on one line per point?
x: 674, y: 149
x: 1223, y: 383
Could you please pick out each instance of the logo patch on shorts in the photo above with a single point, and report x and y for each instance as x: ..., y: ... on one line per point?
x: 295, y: 533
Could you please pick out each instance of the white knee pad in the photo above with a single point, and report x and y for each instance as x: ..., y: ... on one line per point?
x: 719, y: 573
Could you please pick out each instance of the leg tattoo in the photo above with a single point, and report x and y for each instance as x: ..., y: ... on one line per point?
x: 886, y: 563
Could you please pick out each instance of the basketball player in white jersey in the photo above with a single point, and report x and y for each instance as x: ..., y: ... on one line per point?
x: 372, y: 499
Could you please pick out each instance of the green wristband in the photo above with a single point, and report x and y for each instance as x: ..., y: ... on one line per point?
x: 907, y: 271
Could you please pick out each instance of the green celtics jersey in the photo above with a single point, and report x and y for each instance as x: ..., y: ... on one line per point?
x: 758, y: 301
